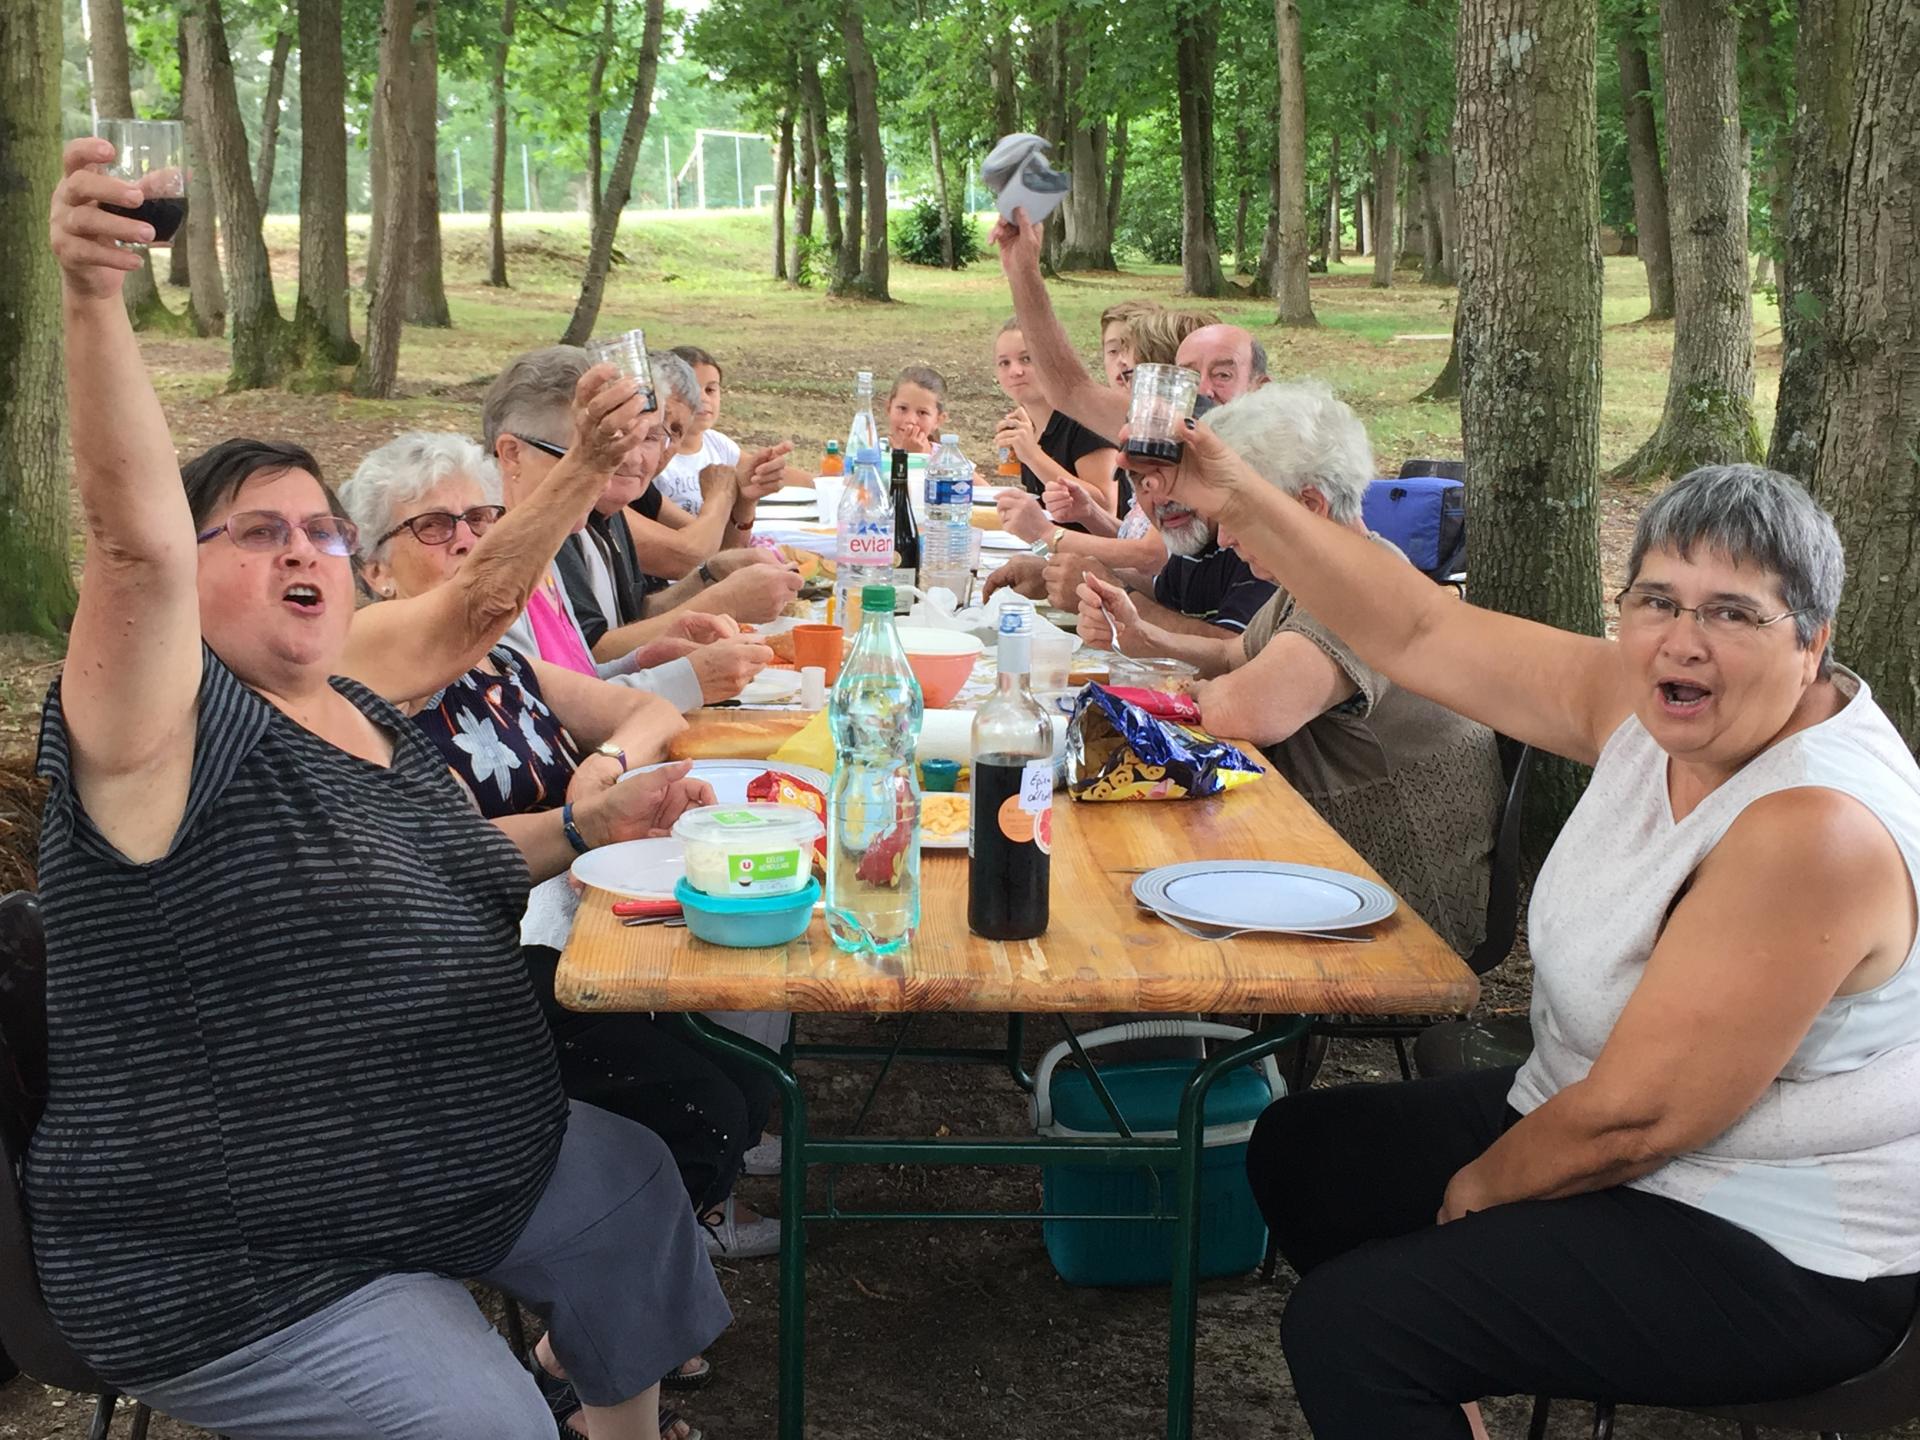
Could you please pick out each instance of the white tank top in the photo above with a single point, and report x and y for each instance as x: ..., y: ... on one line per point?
x: 1825, y: 1166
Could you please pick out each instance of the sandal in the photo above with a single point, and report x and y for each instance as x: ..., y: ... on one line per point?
x: 564, y: 1402
x: 685, y: 1381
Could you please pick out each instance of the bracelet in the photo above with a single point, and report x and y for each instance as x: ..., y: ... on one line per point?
x: 739, y: 524
x: 572, y: 831
x: 705, y: 572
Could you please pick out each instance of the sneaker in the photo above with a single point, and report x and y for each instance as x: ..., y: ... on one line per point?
x: 733, y: 1241
x: 764, y: 1158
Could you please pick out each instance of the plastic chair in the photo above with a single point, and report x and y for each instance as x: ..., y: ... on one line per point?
x: 26, y: 1330
x: 1882, y: 1398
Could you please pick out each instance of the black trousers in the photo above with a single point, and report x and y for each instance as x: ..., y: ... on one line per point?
x: 708, y: 1107
x: 1613, y: 1295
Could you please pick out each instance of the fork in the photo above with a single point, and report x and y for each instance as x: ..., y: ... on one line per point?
x: 1215, y: 932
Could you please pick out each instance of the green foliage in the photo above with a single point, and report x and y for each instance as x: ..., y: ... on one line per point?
x: 915, y: 235
x: 1149, y: 227
x: 810, y: 261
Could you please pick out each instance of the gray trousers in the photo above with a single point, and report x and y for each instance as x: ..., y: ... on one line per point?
x: 611, y: 1259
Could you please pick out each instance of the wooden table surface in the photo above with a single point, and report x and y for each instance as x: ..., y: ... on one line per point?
x: 1101, y: 952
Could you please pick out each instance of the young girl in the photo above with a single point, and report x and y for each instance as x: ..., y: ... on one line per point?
x: 1051, y: 447
x: 916, y: 409
x: 701, y: 445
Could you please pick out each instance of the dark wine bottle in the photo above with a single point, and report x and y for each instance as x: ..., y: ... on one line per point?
x: 906, y: 531
x: 1010, y: 842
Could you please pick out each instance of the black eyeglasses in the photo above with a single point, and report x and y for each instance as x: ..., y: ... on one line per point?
x: 437, y: 527
x: 264, y: 530
x: 545, y: 447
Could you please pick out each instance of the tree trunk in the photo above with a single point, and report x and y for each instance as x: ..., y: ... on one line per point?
x: 1445, y: 217
x: 207, y: 293
x: 425, y: 280
x: 805, y: 200
x: 782, y: 180
x: 322, y: 311
x: 940, y: 192
x: 1649, y: 181
x: 1050, y: 104
x: 1116, y: 179
x: 1854, y: 346
x: 36, y: 584
x: 596, y: 102
x: 377, y: 169
x: 815, y: 102
x: 1529, y: 319
x: 1290, y: 197
x: 260, y: 349
x: 593, y: 286
x: 1242, y: 262
x: 1446, y: 385
x: 270, y: 115
x: 1363, y: 217
x: 379, y: 368
x: 1199, y: 236
x: 1763, y: 274
x: 863, y: 84
x: 1709, y: 410
x: 1336, y: 241
x: 1006, y: 96
x: 846, y: 274
x: 1262, y: 287
x: 1433, y: 257
x: 1088, y: 214
x: 497, y: 195
x: 1386, y: 193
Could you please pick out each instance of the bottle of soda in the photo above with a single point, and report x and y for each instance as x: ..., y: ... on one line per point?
x: 906, y: 530
x: 946, y: 540
x: 831, y: 463
x: 873, y: 807
x: 862, y: 434
x: 864, y: 554
x: 1010, y: 842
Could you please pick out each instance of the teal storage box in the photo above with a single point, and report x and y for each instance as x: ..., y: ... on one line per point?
x: 1233, y: 1237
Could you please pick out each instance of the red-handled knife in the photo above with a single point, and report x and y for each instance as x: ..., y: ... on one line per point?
x: 627, y: 908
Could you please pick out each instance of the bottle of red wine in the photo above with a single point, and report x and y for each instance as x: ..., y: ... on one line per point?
x: 906, y: 531
x: 1010, y: 839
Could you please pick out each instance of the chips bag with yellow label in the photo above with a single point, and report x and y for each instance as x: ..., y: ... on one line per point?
x: 1117, y: 751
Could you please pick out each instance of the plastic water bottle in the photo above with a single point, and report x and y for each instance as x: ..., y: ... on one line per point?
x: 946, y: 540
x: 864, y: 554
x: 863, y: 434
x: 873, y: 806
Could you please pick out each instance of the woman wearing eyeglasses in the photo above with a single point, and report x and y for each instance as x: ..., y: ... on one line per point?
x: 300, y: 1089
x: 1700, y: 1188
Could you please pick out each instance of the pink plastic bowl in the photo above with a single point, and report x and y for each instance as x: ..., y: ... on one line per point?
x: 942, y: 660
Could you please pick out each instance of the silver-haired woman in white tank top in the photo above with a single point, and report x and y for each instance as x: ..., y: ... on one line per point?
x: 1704, y: 1186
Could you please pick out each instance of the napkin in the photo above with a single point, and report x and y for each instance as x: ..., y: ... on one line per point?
x: 1018, y: 174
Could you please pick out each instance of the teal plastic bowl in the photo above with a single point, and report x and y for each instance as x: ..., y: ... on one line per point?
x: 748, y: 922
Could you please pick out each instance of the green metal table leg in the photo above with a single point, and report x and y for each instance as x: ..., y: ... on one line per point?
x: 1183, y: 1324
x: 1016, y: 1047
x: 793, y: 1208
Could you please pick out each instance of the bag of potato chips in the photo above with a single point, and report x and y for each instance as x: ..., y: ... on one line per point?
x: 1117, y: 751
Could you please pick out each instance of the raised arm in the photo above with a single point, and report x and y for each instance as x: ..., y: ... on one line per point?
x: 407, y: 649
x: 1063, y: 379
x: 1562, y: 692
x: 136, y: 634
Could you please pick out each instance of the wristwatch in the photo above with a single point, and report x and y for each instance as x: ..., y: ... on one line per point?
x: 612, y: 750
x: 1045, y: 548
x: 705, y: 572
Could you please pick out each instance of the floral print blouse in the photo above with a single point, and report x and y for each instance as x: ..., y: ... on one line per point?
x: 509, y: 752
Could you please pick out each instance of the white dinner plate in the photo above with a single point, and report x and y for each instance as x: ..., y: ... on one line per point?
x: 636, y: 869
x: 770, y: 687
x: 1001, y: 540
x: 1264, y: 894
x: 730, y: 778
x: 789, y: 499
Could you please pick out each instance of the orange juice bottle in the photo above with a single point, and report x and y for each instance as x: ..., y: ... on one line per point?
x: 1009, y: 467
x: 831, y: 463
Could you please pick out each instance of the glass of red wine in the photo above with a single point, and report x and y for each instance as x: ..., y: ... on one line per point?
x: 151, y: 154
x: 1162, y: 402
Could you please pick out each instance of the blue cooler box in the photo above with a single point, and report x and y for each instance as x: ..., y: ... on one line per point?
x: 1233, y: 1237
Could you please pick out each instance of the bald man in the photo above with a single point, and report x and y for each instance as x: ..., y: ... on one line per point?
x: 1230, y: 361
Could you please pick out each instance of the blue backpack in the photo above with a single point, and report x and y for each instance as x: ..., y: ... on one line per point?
x: 1426, y: 516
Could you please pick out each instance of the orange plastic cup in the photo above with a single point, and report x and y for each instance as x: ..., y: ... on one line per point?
x: 822, y: 645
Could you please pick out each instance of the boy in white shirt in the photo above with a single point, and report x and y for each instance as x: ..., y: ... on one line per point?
x: 702, y: 445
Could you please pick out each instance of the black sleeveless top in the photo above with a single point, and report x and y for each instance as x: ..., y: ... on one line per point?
x: 500, y: 741
x: 296, y: 1053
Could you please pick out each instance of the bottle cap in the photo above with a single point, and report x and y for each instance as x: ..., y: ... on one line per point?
x: 833, y: 447
x: 877, y: 599
x: 1016, y: 618
x: 865, y: 376
x: 939, y: 775
x: 949, y: 439
x: 867, y: 455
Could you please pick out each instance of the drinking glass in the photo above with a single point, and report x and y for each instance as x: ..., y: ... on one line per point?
x: 1163, y: 397
x: 628, y: 354
x: 151, y: 154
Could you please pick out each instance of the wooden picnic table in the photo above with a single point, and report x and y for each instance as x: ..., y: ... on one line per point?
x: 1101, y: 953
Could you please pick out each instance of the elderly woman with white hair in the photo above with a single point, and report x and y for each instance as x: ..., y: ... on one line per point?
x: 1699, y: 1190
x: 1414, y: 787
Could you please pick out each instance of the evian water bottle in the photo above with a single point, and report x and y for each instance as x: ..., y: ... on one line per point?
x: 864, y: 555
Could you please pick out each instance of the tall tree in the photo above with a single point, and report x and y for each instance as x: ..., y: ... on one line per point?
x: 1290, y: 169
x: 1649, y: 177
x: 1529, y: 315
x: 497, y: 193
x: 807, y: 185
x: 1849, y: 415
x: 1087, y: 242
x: 1194, y: 62
x: 1386, y: 191
x: 379, y: 368
x: 863, y: 117
x: 1709, y: 410
x: 942, y: 196
x: 36, y: 583
x: 259, y: 334
x: 782, y: 183
x: 1336, y: 220
x: 207, y: 293
x: 813, y: 100
x: 593, y: 285
x: 426, y: 282
x: 322, y: 310
x: 1444, y: 215
x: 596, y: 104
x: 113, y: 95
x: 270, y: 114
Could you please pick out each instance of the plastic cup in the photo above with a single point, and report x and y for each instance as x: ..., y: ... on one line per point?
x: 813, y: 684
x: 819, y: 647
x: 1162, y: 403
x: 628, y: 354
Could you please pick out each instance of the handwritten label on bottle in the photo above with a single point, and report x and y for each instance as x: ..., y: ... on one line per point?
x: 1036, y: 786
